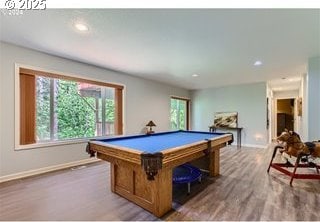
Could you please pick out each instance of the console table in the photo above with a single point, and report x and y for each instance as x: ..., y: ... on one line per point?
x: 238, y: 129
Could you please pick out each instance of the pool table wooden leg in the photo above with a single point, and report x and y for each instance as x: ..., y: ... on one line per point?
x: 112, y: 179
x: 162, y: 190
x: 214, y: 160
x: 215, y: 163
x: 130, y: 181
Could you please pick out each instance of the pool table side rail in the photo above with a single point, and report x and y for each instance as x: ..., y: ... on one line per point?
x: 226, y: 138
x: 182, y: 154
x: 114, y: 151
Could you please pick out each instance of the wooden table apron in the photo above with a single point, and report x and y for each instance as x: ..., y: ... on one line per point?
x: 129, y: 180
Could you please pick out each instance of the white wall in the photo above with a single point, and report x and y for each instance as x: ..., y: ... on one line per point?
x: 144, y: 100
x: 314, y: 98
x: 249, y: 100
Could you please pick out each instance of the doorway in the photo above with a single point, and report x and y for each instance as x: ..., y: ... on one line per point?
x: 285, y: 115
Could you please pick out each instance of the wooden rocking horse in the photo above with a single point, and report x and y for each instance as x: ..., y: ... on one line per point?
x: 291, y: 144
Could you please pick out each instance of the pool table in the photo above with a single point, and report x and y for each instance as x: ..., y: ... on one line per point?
x: 141, y: 166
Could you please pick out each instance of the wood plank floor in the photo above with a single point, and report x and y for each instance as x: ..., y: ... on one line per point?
x: 244, y: 191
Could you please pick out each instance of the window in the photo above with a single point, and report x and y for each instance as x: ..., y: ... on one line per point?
x: 179, y: 113
x: 56, y: 107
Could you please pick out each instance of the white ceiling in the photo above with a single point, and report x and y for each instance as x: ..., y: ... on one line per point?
x: 169, y: 45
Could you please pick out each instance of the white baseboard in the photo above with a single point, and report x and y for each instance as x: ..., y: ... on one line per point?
x: 251, y: 145
x: 46, y: 169
x: 254, y: 145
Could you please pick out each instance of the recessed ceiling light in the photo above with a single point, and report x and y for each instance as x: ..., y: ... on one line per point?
x: 81, y: 27
x: 257, y: 63
x: 195, y: 75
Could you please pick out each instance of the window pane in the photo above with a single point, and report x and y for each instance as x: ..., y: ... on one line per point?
x: 75, y: 114
x: 178, y: 114
x: 109, y: 111
x: 182, y: 114
x: 68, y: 109
x: 91, y: 95
x: 42, y: 108
x: 99, y: 116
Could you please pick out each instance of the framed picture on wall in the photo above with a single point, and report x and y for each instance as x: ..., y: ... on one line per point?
x: 226, y: 119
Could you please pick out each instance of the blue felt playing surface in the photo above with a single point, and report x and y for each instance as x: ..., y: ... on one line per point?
x: 158, y: 142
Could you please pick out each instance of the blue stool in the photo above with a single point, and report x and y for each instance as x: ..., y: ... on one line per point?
x: 186, y: 173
